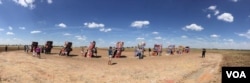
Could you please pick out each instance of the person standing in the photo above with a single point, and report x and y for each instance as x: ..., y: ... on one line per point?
x: 171, y: 51
x: 139, y: 54
x: 6, y: 48
x: 68, y: 51
x: 110, y: 51
x: 203, y: 52
x: 82, y: 51
x: 85, y: 55
x: 34, y: 51
x: 135, y: 51
x: 24, y: 48
x: 149, y: 51
x: 115, y: 52
x: 38, y: 50
x: 27, y: 48
x: 95, y: 51
x: 43, y: 48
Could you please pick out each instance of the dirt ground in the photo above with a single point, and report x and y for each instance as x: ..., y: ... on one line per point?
x: 21, y: 67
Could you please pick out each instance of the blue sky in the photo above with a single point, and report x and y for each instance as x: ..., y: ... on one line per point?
x: 196, y: 23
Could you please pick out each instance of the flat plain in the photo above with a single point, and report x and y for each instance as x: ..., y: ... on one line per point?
x: 17, y: 66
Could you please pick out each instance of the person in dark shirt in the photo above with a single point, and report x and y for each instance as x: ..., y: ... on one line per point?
x: 95, y: 51
x: 6, y: 48
x: 110, y: 51
x: 149, y: 51
x: 203, y: 52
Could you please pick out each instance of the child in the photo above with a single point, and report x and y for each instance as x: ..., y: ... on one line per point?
x: 38, y: 52
x: 110, y: 54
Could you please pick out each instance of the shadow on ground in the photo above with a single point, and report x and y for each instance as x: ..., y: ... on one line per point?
x: 123, y: 56
x: 98, y: 56
x: 72, y: 55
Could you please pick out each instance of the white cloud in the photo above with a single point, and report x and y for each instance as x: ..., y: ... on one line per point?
x: 184, y: 36
x: 234, y: 0
x: 208, y: 15
x: 113, y: 43
x: 139, y: 38
x: 81, y: 38
x: 100, y: 40
x: 94, y: 25
x: 194, y: 27
x: 158, y: 37
x: 35, y: 32
x: 213, y: 7
x: 199, y: 38
x: 1, y: 2
x: 227, y: 17
x: 10, y: 33
x: 49, y: 1
x: 155, y: 32
x: 10, y: 28
x: 62, y: 25
x: 26, y: 3
x: 216, y: 12
x: 1, y: 29
x: 66, y: 34
x: 139, y: 24
x: 228, y: 40
x: 105, y: 30
x: 22, y: 28
x: 247, y: 34
x: 214, y: 36
x: 77, y: 36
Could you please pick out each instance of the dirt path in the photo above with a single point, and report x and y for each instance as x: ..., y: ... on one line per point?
x: 20, y: 67
x: 208, y: 72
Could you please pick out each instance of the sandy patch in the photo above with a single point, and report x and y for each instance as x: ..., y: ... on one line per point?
x: 20, y: 67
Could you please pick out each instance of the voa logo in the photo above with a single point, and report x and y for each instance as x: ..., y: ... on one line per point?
x: 236, y: 74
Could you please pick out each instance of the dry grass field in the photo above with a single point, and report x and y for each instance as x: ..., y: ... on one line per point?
x: 16, y: 66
